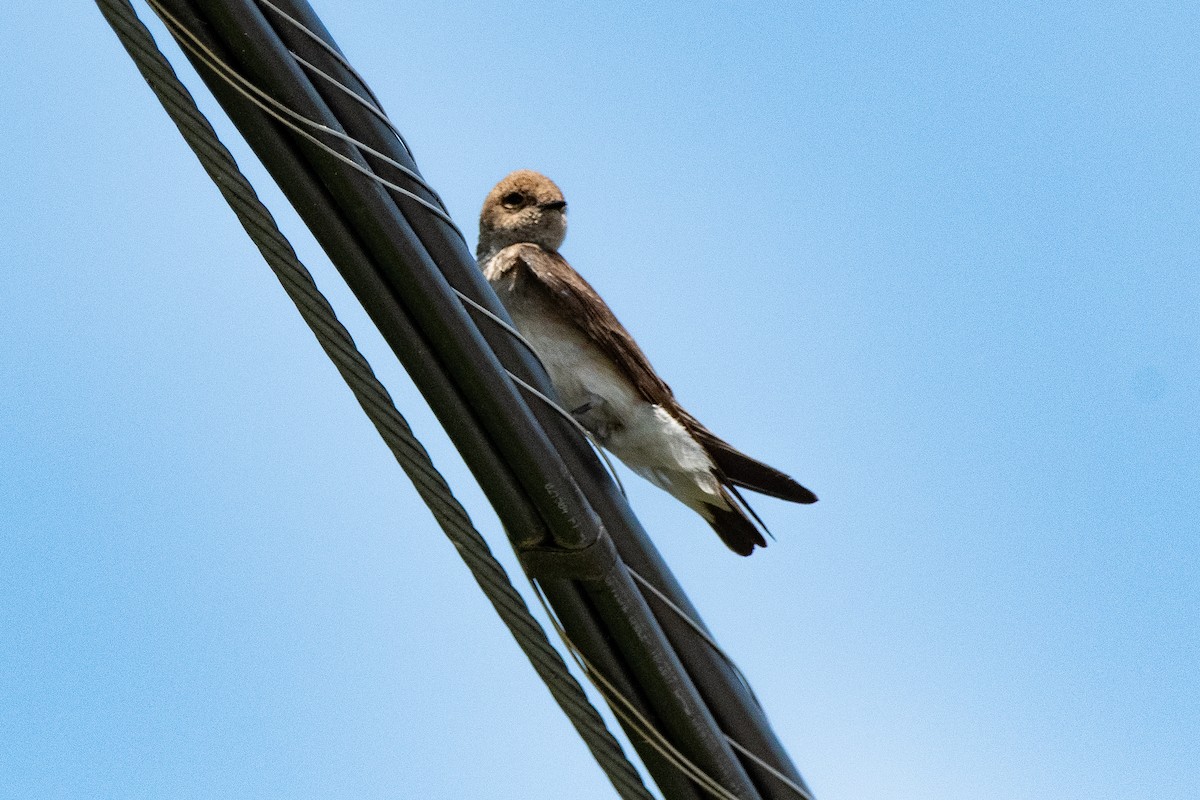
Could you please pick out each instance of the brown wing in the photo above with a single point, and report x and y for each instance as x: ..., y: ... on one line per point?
x: 576, y: 296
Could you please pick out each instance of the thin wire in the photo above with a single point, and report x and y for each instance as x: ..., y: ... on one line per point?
x: 374, y: 104
x: 693, y: 624
x: 268, y: 105
x: 646, y: 728
x: 612, y: 470
x: 373, y: 397
x: 784, y: 779
x: 703, y: 634
x: 516, y: 334
x: 368, y: 105
x: 629, y: 713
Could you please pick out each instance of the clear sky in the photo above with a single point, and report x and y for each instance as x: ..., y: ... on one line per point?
x: 938, y: 261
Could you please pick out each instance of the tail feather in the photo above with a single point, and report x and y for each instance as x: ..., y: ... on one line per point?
x: 736, y: 530
x: 740, y: 469
x: 749, y: 473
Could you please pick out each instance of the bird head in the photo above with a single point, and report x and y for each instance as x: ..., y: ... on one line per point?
x: 524, y: 207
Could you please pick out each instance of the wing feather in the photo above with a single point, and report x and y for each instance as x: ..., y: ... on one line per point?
x: 581, y: 302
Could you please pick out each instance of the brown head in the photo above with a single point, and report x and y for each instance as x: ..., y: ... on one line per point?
x: 524, y: 207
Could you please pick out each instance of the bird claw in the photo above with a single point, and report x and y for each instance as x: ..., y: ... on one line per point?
x: 592, y: 417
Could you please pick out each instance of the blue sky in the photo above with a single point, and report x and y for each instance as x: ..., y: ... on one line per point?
x: 939, y: 262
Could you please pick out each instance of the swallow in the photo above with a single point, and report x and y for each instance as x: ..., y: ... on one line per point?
x: 601, y: 375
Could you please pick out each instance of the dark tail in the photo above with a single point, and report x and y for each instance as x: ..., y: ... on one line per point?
x: 740, y: 469
x: 736, y: 530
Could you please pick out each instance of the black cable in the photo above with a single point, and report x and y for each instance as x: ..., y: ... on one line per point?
x: 372, y: 396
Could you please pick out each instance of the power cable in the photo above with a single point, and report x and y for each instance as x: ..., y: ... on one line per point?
x: 372, y: 396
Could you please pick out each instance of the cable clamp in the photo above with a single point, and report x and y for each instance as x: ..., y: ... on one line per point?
x: 592, y: 562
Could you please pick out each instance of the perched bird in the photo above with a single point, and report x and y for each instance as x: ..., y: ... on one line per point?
x: 600, y: 373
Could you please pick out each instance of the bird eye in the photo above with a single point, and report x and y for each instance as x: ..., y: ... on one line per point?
x: 512, y: 199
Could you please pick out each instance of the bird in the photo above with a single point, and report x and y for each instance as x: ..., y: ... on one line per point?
x: 601, y: 375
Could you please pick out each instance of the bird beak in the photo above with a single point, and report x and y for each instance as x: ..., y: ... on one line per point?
x: 556, y: 205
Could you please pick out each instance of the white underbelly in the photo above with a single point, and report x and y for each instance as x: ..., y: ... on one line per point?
x: 580, y: 372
